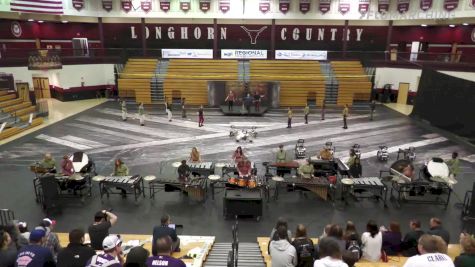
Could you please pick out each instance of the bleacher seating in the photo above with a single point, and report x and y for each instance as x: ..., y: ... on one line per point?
x: 134, y: 81
x: 300, y: 81
x: 12, y: 107
x: 188, y: 78
x: 353, y: 82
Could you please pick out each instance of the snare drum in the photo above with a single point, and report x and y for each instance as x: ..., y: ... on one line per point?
x: 242, y: 182
x: 252, y: 183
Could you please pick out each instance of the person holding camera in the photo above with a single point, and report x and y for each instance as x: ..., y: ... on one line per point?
x: 103, y: 220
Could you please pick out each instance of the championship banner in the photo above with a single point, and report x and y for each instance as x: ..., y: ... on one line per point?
x: 304, y: 6
x: 205, y: 5
x: 344, y: 6
x: 403, y: 6
x: 78, y: 4
x: 224, y: 5
x: 243, y: 54
x: 363, y: 6
x: 324, y: 6
x: 185, y: 5
x: 165, y: 5
x: 126, y: 5
x: 450, y: 5
x: 426, y: 4
x: 383, y: 6
x: 264, y: 6
x: 146, y: 5
x: 284, y: 6
x: 107, y: 5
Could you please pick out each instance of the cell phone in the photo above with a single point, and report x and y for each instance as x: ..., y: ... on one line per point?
x: 173, y: 226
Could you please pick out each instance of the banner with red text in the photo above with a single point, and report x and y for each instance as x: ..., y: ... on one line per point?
x: 224, y: 5
x: 78, y: 4
x: 126, y: 5
x: 304, y: 6
x: 344, y: 6
x: 165, y: 5
x: 107, y: 5
x: 264, y: 6
x: 146, y: 5
x: 363, y: 6
x: 383, y: 6
x: 185, y: 5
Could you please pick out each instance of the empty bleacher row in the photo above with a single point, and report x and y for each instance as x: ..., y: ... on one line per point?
x: 353, y: 82
x: 134, y: 81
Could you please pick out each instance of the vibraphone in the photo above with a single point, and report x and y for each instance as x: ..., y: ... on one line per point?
x: 365, y: 187
x: 319, y: 186
x: 196, y: 187
x: 223, y: 183
x: 130, y: 184
x: 231, y: 168
x: 202, y: 168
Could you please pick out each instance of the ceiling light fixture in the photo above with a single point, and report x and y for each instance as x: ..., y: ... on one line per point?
x: 423, y: 25
x: 451, y: 25
x: 30, y: 20
x: 465, y: 24
x: 40, y: 21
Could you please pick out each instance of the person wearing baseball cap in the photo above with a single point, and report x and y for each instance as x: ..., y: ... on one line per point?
x: 35, y: 254
x: 51, y: 238
x: 112, y: 256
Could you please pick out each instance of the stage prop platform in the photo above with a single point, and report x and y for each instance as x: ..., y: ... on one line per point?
x: 238, y: 110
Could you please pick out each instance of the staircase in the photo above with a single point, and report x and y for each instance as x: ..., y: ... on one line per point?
x: 244, y: 70
x: 331, y: 84
x: 249, y: 255
x: 156, y: 84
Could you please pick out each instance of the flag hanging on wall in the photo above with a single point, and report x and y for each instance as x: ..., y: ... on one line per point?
x: 146, y: 5
x: 205, y: 5
x: 450, y: 5
x: 107, y: 5
x: 224, y: 5
x: 324, y: 6
x: 264, y: 6
x: 383, y: 6
x: 126, y: 5
x: 54, y: 7
x: 363, y: 6
x: 473, y: 3
x: 403, y: 6
x: 185, y: 5
x: 344, y: 6
x: 304, y: 6
x: 165, y: 5
x: 426, y: 4
x: 284, y: 6
x: 78, y: 4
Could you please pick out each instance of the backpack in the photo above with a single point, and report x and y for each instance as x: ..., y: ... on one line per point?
x: 107, y: 264
x: 354, y: 248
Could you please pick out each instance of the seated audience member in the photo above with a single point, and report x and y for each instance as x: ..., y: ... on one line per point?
x: 282, y: 253
x: 326, y: 229
x: 8, y: 249
x: 67, y: 167
x: 281, y: 221
x: 23, y: 228
x: 49, y: 163
x: 34, y: 254
x: 75, y: 254
x: 103, y: 221
x: 352, y: 240
x: 52, y: 239
x: 349, y: 258
x: 392, y: 239
x: 330, y: 254
x: 164, y: 230
x: 372, y: 241
x: 437, y: 229
x: 112, y: 257
x: 467, y: 257
x: 337, y: 233
x: 428, y: 247
x: 409, y: 243
x: 137, y: 257
x: 163, y: 256
x: 17, y: 239
x: 304, y: 247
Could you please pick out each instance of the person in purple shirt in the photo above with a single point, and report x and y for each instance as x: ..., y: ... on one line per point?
x: 112, y: 256
x: 163, y: 257
x: 34, y: 255
x: 392, y: 239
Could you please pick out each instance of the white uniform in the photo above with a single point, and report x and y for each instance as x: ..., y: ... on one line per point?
x: 142, y: 115
x: 429, y: 259
x: 169, y: 112
x: 124, y: 111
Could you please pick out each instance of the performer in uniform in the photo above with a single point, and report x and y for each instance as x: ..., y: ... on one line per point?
x: 141, y: 114
x: 244, y: 167
x: 372, y: 107
x: 306, y: 170
x: 257, y: 100
x: 326, y: 154
x: 120, y: 169
x: 345, y: 114
x: 454, y: 165
x: 351, y: 160
x: 280, y: 157
x: 323, y: 110
x: 306, y: 111
x: 289, y: 118
x: 48, y: 163
x: 124, y: 110
x: 183, y: 110
x: 248, y: 103
x: 201, y: 116
x: 195, y: 155
x: 238, y: 154
x: 230, y: 99
x: 168, y: 111
x: 183, y: 172
x: 356, y: 170
x: 67, y: 166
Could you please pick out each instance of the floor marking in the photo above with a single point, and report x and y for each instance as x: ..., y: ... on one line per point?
x: 110, y: 132
x: 62, y: 142
x: 431, y: 135
x: 469, y: 158
x: 83, y: 141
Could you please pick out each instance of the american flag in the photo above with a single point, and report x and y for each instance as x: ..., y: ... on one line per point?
x: 37, y: 6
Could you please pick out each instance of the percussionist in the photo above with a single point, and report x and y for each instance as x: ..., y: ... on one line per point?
x: 183, y: 172
x: 244, y: 167
x: 238, y: 154
x: 306, y: 170
x: 120, y: 169
x: 195, y: 155
x: 49, y: 163
x: 326, y: 154
x: 67, y: 167
x: 351, y: 161
x: 281, y: 157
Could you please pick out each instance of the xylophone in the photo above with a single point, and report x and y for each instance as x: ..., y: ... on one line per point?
x: 202, y: 168
x: 130, y: 184
x: 365, y: 187
x: 320, y: 186
x: 196, y: 188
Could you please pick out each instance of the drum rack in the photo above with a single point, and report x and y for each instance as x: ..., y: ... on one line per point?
x: 224, y: 184
x: 416, y: 191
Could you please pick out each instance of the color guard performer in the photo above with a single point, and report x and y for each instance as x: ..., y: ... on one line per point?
x: 230, y: 99
x: 289, y: 118
x: 48, y: 163
x: 454, y: 165
x: 323, y: 111
x: 306, y: 111
x: 141, y: 114
x: 201, y: 116
x: 124, y: 110
x: 345, y: 114
x: 306, y: 170
x: 257, y: 100
x: 195, y: 155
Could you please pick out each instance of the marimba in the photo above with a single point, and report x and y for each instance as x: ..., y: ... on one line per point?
x: 365, y: 187
x: 130, y: 184
x: 318, y: 185
x: 196, y: 188
x: 202, y: 168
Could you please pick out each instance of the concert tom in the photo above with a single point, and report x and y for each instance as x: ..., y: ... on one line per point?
x: 252, y: 183
x: 233, y: 180
x: 242, y: 182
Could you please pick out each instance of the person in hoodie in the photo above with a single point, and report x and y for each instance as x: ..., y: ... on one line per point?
x: 282, y: 253
x: 304, y: 247
x: 330, y: 254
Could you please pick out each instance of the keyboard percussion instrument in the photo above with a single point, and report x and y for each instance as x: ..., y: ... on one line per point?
x: 127, y: 184
x: 320, y: 186
x: 195, y: 188
x: 364, y: 187
x: 202, y: 168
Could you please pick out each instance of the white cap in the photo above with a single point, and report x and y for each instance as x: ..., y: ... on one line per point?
x: 111, y: 242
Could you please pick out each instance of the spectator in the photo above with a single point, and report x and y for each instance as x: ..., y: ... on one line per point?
x: 18, y: 240
x: 165, y: 229
x: 23, y: 228
x: 75, y: 254
x: 304, y: 247
x: 103, y: 220
x: 428, y: 246
x: 409, y: 243
x: 392, y: 239
x: 372, y: 242
x: 163, y: 257
x: 112, y: 256
x: 34, y: 254
x: 281, y: 221
x: 437, y: 229
x: 8, y: 249
x: 353, y: 240
x: 337, y: 233
x: 326, y: 229
x: 330, y: 254
x: 137, y: 257
x: 349, y: 258
x: 282, y: 253
x: 467, y: 257
x: 52, y: 240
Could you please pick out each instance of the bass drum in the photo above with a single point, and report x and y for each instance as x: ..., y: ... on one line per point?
x: 403, y: 166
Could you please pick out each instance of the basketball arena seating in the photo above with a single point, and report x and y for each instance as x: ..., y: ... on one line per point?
x: 353, y: 82
x: 16, y: 113
x: 188, y: 78
x: 135, y: 79
x: 300, y: 81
